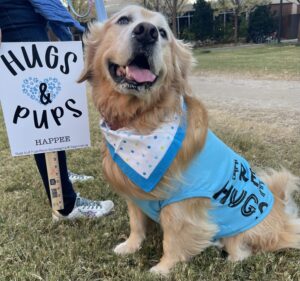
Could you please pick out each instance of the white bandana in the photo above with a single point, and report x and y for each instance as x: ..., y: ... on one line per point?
x: 145, y: 158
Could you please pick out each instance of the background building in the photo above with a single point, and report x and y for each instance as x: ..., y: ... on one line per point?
x: 290, y: 17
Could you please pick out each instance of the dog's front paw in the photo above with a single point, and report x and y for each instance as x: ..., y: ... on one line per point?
x: 126, y: 248
x: 159, y: 270
x: 241, y: 255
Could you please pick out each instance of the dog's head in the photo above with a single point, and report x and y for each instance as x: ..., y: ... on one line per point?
x: 135, y: 53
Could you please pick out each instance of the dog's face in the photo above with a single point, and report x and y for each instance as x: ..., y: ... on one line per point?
x: 136, y: 59
x: 135, y: 52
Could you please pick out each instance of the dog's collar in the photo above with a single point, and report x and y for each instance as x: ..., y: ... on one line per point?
x: 146, y: 158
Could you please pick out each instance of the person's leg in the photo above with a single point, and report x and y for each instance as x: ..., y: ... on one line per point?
x: 69, y: 195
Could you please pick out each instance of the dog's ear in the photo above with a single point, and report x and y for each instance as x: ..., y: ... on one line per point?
x: 182, y: 64
x: 183, y: 59
x: 92, y: 40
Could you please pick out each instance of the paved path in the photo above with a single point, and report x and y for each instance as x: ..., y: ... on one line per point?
x: 261, y: 101
x: 249, y: 94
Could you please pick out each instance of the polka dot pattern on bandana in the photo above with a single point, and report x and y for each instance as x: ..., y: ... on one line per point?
x: 142, y: 153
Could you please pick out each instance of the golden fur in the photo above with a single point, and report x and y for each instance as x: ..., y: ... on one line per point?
x: 187, y: 230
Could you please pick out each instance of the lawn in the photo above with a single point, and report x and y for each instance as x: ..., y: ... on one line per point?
x: 33, y: 248
x: 267, y: 61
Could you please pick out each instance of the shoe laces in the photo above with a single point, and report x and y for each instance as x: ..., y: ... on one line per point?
x: 77, y: 176
x: 87, y: 204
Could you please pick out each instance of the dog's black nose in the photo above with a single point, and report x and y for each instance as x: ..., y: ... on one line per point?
x: 145, y: 33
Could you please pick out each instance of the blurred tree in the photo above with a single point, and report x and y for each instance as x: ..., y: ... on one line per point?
x: 170, y: 8
x: 203, y: 20
x: 237, y: 7
x: 261, y: 24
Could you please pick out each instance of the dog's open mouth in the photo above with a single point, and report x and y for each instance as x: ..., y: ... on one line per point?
x: 136, y: 73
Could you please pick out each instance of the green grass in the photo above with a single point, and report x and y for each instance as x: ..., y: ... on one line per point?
x: 268, y: 61
x: 33, y: 248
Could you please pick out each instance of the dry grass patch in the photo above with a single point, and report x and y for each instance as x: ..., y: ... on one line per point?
x: 33, y: 248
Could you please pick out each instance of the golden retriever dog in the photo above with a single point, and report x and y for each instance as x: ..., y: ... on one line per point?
x: 138, y: 73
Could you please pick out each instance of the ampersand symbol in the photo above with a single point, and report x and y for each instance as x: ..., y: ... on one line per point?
x: 44, y: 98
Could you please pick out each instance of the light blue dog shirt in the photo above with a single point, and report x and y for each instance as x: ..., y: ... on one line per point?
x: 239, y: 199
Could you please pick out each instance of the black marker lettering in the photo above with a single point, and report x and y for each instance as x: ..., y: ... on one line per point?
x: 8, y: 63
x: 48, y: 56
x: 65, y: 68
x: 18, y: 113
x: 243, y: 173
x: 225, y: 191
x: 77, y: 113
x: 35, y: 57
x: 253, y: 178
x: 248, y: 210
x: 57, y: 113
x: 233, y: 202
x: 44, y: 121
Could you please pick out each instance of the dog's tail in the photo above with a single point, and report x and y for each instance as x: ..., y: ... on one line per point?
x: 284, y: 185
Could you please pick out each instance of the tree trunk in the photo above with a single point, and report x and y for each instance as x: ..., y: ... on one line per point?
x: 236, y: 26
x: 299, y: 31
x: 280, y: 22
x: 157, y: 6
x: 174, y: 16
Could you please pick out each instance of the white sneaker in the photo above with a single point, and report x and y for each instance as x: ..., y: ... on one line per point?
x: 78, y: 178
x: 85, y: 208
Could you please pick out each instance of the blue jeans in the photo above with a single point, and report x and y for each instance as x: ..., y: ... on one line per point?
x: 30, y: 33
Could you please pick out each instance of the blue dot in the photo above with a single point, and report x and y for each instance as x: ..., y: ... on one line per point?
x: 121, y: 148
x: 132, y: 151
x: 155, y: 137
x: 144, y: 174
x: 172, y: 127
x: 149, y: 146
x: 124, y: 141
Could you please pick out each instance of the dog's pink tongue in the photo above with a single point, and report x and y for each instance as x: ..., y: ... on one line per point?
x: 140, y: 75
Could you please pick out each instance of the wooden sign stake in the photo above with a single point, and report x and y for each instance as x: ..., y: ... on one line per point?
x: 54, y: 180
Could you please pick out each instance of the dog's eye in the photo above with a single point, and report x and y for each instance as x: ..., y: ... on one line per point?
x: 123, y: 20
x: 163, y: 33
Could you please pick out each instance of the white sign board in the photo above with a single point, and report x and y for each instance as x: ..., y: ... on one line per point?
x: 44, y: 108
